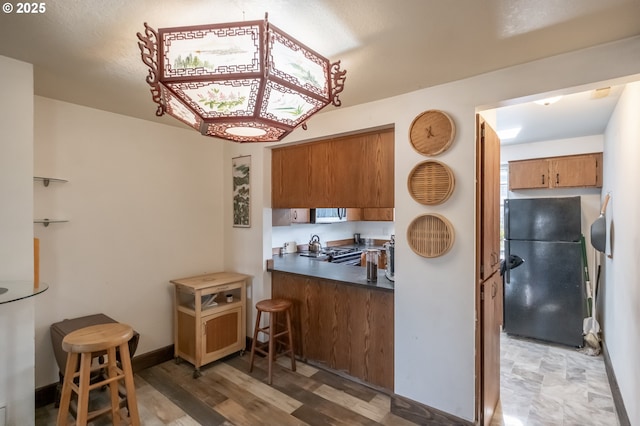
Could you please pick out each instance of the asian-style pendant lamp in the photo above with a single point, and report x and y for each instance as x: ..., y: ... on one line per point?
x: 242, y: 81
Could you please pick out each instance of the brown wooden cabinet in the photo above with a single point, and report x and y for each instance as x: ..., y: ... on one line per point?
x: 285, y: 217
x: 347, y: 328
x: 569, y: 171
x: 351, y: 171
x: 371, y: 214
x: 205, y: 333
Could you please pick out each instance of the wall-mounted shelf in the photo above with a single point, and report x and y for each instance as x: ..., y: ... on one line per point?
x: 46, y: 180
x: 46, y: 222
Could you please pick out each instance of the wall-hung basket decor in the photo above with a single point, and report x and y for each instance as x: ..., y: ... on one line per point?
x: 432, y: 132
x: 430, y: 235
x: 431, y: 183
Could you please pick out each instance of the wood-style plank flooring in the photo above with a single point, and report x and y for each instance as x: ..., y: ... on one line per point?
x: 227, y: 394
x: 541, y: 385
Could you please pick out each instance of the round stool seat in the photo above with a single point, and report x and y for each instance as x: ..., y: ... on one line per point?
x: 97, y: 337
x: 273, y: 305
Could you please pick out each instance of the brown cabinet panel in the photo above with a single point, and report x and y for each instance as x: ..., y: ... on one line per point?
x: 290, y: 177
x: 347, y: 328
x: 378, y: 189
x: 351, y: 171
x: 377, y: 214
x: 571, y: 171
x: 576, y: 171
x: 528, y: 174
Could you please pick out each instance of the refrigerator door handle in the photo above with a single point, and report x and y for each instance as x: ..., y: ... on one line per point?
x: 507, y: 256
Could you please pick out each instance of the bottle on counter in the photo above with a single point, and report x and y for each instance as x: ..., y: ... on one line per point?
x: 372, y: 264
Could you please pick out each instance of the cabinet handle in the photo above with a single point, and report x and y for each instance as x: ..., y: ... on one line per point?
x: 543, y: 179
x: 295, y: 215
x: 557, y: 178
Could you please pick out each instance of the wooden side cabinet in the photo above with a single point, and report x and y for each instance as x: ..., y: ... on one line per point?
x: 210, y: 317
x: 571, y: 171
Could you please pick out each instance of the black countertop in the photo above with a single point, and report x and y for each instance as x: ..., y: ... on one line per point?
x: 293, y: 263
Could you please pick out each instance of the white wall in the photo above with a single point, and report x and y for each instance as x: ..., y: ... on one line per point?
x: 589, y: 197
x: 621, y: 292
x: 434, y: 298
x: 16, y: 240
x: 144, y: 204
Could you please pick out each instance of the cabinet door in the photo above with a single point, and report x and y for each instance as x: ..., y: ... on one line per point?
x: 576, y: 171
x: 347, y: 166
x: 223, y: 334
x: 290, y: 182
x: 300, y: 215
x: 378, y: 189
x: 528, y: 174
x: 377, y: 214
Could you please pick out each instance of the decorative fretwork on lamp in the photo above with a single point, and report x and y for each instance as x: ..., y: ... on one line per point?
x: 242, y: 81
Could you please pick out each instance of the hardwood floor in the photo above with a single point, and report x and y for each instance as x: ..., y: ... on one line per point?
x: 226, y: 394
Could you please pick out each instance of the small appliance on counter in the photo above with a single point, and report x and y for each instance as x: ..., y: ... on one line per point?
x: 314, y: 244
x: 290, y: 247
x: 390, y: 248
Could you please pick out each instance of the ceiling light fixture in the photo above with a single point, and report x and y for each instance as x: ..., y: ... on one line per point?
x: 548, y: 101
x: 241, y: 81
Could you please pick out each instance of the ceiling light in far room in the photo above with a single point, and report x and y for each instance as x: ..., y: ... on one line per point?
x: 548, y: 101
x: 507, y: 134
x: 603, y: 92
x: 242, y: 81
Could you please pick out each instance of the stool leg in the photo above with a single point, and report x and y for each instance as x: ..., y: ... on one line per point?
x: 65, y: 396
x: 272, y: 330
x: 112, y: 371
x: 291, y: 352
x: 255, y: 340
x: 83, y: 388
x: 132, y: 403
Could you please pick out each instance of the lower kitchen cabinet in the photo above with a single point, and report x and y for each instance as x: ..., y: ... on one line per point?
x: 348, y: 328
x: 210, y: 317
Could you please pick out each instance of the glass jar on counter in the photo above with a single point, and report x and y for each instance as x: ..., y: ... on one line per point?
x: 371, y: 257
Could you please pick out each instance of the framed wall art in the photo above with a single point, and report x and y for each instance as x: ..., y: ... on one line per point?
x: 241, y: 169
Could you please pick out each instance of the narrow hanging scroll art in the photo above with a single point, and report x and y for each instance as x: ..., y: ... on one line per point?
x: 241, y: 191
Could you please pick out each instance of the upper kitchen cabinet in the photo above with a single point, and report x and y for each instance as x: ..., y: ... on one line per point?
x: 290, y: 177
x: 570, y: 171
x: 352, y: 171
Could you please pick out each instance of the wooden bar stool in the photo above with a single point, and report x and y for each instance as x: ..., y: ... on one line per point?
x: 82, y: 344
x: 273, y: 307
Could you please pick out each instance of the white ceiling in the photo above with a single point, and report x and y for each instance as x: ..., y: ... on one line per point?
x: 574, y: 115
x: 86, y: 52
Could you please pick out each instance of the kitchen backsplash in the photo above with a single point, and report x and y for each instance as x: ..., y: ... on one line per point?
x: 301, y: 233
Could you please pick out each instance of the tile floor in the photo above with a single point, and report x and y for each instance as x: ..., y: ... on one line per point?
x: 552, y: 385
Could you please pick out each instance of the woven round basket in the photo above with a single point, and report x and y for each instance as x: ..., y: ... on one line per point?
x: 430, y: 235
x: 432, y: 132
x: 431, y: 183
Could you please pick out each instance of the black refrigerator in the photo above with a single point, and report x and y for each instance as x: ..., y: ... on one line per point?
x: 544, y: 296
